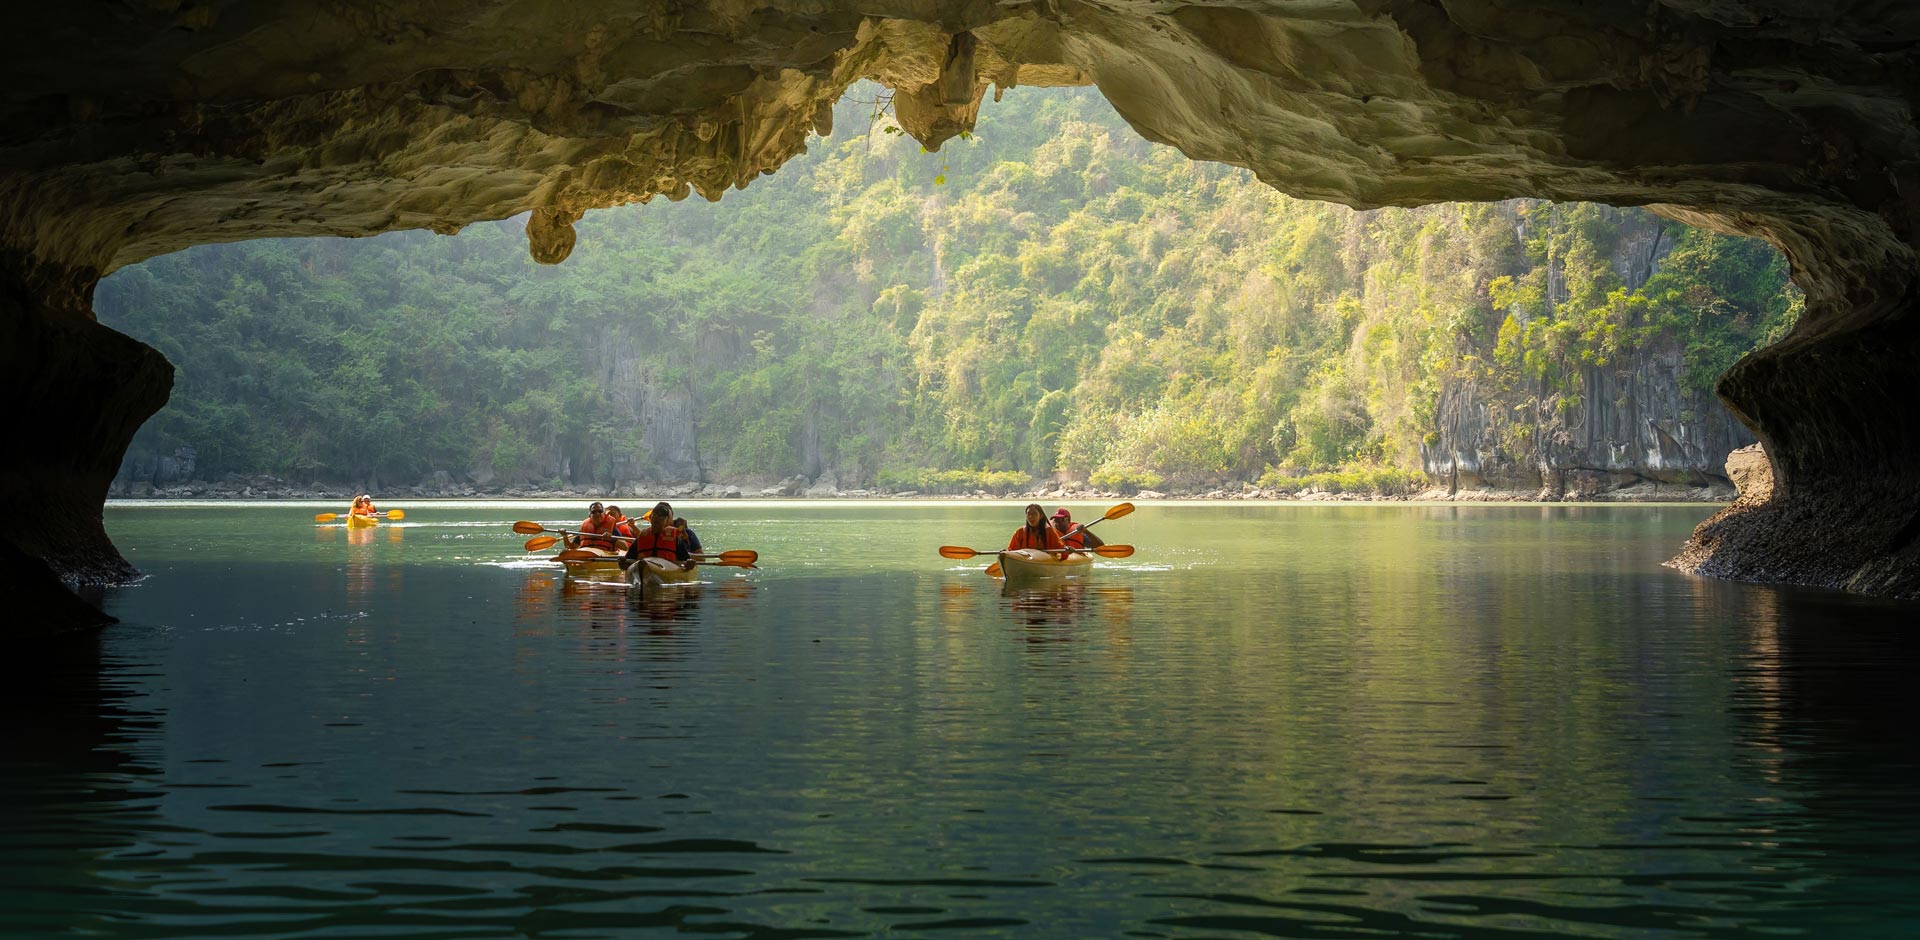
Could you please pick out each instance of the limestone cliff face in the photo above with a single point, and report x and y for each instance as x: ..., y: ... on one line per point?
x: 1630, y: 422
x: 127, y: 130
x: 1634, y: 424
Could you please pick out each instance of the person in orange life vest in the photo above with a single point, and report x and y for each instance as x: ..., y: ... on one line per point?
x: 363, y: 506
x: 622, y: 526
x: 658, y: 540
x: 1073, y: 536
x: 594, y: 531
x: 1036, y: 533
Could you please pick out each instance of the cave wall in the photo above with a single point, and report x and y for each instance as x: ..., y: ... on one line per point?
x: 132, y: 129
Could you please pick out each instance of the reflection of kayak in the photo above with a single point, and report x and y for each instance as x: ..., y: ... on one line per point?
x: 362, y: 522
x: 652, y: 572
x: 1034, y: 564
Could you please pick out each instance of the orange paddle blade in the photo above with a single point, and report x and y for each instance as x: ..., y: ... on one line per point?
x: 394, y: 514
x: 528, y: 528
x: 1118, y: 511
x: 955, y: 551
x: 581, y: 554
x: 326, y: 517
x: 739, y: 557
x: 1113, y: 551
x: 541, y: 541
x: 993, y: 570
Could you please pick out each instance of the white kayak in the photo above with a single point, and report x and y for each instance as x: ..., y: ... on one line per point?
x: 1033, y: 564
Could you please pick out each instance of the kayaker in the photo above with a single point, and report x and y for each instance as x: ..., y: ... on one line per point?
x: 363, y: 506
x: 1071, y: 535
x: 687, y: 536
x: 622, y: 525
x: 594, y: 530
x: 1036, y: 533
x: 658, y: 540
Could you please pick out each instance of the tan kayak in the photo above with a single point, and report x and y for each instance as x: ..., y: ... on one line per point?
x: 605, y: 567
x: 1033, y: 564
x: 653, y: 572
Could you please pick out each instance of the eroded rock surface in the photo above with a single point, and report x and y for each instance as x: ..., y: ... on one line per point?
x: 132, y: 129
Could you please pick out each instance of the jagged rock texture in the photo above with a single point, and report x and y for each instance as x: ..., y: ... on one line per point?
x: 132, y: 129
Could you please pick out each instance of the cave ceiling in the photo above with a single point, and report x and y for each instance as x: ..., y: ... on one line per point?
x: 137, y: 128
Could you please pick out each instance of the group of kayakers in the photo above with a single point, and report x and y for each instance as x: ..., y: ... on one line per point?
x: 1059, y: 532
x: 363, y: 506
x: 664, y: 535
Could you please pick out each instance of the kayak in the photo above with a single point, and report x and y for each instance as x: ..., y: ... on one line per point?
x: 605, y: 567
x: 1034, y: 564
x: 653, y: 572
x: 362, y: 522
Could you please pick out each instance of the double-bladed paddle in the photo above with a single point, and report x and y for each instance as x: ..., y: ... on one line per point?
x: 1105, y: 551
x: 738, y: 558
x: 393, y: 514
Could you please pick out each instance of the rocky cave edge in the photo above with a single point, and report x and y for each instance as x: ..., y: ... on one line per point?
x: 132, y: 129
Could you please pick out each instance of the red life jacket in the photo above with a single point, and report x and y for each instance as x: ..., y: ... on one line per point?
x: 588, y: 531
x: 1075, y: 538
x: 666, y: 545
x: 1022, y: 539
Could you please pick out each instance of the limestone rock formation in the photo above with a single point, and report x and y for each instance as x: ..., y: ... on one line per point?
x: 1631, y: 422
x: 132, y: 129
x: 1751, y: 474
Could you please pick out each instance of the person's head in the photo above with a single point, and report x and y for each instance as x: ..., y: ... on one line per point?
x: 613, y: 512
x: 660, y: 517
x: 679, y: 523
x: 597, y: 511
x: 1035, y: 515
x: 362, y: 500
x: 1062, y: 519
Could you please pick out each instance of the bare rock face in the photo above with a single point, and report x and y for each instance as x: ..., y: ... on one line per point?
x: 136, y: 129
x: 1751, y: 474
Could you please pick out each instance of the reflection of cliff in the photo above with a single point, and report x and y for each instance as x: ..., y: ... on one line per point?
x: 66, y: 799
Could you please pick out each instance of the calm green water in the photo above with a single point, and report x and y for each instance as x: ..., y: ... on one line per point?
x: 1272, y: 721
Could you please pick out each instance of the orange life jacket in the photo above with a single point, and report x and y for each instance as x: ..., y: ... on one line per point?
x: 1022, y: 538
x: 366, y: 510
x: 666, y: 545
x: 1075, y: 538
x: 624, y: 527
x: 589, y: 531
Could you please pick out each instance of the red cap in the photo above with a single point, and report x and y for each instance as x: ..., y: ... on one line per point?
x: 1062, y: 513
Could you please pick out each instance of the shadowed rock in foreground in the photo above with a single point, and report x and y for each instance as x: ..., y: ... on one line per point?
x: 133, y: 130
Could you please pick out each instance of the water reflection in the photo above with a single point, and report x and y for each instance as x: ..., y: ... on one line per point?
x: 1456, y: 746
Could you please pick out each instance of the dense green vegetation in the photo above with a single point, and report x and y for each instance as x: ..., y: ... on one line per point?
x: 1052, y: 293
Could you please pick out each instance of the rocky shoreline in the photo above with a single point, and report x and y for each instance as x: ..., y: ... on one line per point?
x: 271, y: 488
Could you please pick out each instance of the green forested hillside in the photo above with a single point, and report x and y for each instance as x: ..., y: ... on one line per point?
x: 1051, y: 294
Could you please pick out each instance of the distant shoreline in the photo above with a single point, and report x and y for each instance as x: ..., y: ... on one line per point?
x: 1668, y: 494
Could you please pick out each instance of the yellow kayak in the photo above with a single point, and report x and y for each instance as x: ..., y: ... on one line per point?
x: 653, y: 572
x: 362, y: 522
x: 1034, y: 564
x: 605, y: 568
